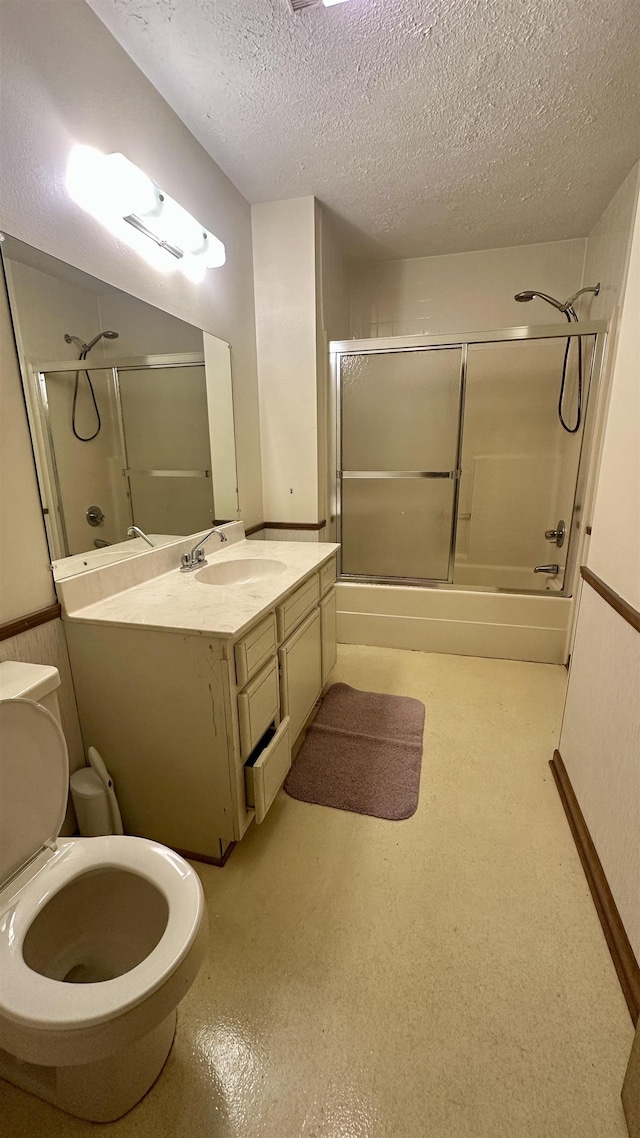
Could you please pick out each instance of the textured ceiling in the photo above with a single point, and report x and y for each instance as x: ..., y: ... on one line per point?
x: 427, y: 126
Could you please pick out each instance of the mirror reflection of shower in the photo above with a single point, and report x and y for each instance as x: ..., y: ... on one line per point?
x: 84, y: 352
x: 568, y: 310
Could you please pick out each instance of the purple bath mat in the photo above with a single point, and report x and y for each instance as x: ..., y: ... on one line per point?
x: 362, y: 753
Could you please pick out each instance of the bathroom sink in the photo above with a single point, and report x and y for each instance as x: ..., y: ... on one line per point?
x: 242, y: 571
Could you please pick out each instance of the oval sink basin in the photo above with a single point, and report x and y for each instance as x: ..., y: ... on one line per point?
x: 243, y: 571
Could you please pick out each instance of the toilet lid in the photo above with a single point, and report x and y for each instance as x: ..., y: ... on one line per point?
x: 34, y: 777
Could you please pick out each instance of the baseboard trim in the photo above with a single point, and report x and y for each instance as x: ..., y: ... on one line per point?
x: 217, y: 861
x: 31, y: 620
x: 617, y: 940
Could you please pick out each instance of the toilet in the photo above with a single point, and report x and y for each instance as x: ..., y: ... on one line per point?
x: 100, y: 938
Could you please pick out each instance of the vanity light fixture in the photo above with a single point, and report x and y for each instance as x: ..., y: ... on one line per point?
x: 124, y: 199
x: 303, y: 5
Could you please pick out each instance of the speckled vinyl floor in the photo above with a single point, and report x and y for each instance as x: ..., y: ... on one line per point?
x: 442, y: 977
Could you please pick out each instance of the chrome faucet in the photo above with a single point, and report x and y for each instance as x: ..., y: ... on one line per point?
x: 196, y: 559
x: 135, y: 531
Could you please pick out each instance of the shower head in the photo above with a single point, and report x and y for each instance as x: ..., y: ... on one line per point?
x: 86, y: 348
x: 530, y: 294
x: 107, y: 336
x: 566, y: 308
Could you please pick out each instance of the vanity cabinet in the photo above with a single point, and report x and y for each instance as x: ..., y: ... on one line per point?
x: 197, y: 730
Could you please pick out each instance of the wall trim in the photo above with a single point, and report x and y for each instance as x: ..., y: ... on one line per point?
x: 617, y: 940
x: 622, y: 607
x: 315, y: 526
x: 31, y: 620
x: 296, y: 525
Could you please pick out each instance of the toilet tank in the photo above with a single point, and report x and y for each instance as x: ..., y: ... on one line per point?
x: 38, y: 682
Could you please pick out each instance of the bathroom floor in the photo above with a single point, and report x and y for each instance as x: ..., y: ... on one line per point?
x: 443, y: 977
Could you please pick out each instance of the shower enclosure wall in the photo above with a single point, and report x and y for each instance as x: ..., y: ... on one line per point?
x: 453, y: 471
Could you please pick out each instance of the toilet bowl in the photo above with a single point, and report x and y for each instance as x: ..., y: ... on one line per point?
x: 100, y: 938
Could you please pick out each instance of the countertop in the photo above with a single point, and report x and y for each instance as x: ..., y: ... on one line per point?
x: 179, y: 602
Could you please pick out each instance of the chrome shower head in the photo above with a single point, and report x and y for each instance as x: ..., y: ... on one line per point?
x: 86, y: 348
x: 107, y: 336
x: 531, y: 294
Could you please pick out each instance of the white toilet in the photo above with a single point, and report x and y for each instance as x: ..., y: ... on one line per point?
x: 100, y: 938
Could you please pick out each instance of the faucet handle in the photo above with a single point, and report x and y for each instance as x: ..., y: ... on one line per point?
x: 185, y: 561
x: 200, y: 555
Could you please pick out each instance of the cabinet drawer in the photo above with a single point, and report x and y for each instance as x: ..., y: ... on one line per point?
x: 267, y: 769
x: 301, y: 672
x: 327, y: 576
x: 255, y: 649
x: 295, y: 608
x: 328, y: 629
x: 258, y: 707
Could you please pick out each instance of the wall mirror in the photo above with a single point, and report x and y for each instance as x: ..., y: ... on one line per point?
x: 130, y: 412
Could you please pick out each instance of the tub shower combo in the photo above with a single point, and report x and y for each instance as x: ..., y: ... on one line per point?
x: 461, y: 464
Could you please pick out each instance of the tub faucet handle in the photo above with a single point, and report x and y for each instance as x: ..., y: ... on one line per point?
x: 557, y: 535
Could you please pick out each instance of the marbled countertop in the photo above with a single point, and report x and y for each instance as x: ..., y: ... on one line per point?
x: 179, y: 602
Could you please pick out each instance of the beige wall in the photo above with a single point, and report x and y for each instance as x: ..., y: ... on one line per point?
x: 600, y: 740
x: 463, y: 292
x: 54, y: 95
x: 26, y: 583
x: 614, y: 552
x: 284, y: 258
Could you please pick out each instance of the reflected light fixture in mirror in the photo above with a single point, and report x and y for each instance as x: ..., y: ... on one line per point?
x: 304, y: 5
x: 122, y: 197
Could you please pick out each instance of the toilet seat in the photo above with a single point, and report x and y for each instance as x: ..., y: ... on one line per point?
x: 32, y: 1000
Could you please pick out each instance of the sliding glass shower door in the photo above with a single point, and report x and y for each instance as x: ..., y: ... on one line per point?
x: 166, y: 435
x: 400, y: 422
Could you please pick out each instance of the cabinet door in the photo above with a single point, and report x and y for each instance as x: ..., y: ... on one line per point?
x: 328, y: 628
x: 301, y: 672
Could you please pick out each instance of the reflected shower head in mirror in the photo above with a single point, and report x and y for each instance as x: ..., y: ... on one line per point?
x: 84, y: 352
x: 85, y: 348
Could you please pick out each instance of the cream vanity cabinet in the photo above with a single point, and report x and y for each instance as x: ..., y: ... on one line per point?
x: 198, y: 730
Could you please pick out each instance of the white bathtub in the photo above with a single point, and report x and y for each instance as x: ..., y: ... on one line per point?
x: 508, y: 626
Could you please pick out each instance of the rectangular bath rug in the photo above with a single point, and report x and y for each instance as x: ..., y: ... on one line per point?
x: 362, y: 753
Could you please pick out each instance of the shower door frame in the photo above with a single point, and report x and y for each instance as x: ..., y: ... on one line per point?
x: 40, y: 423
x: 398, y: 344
